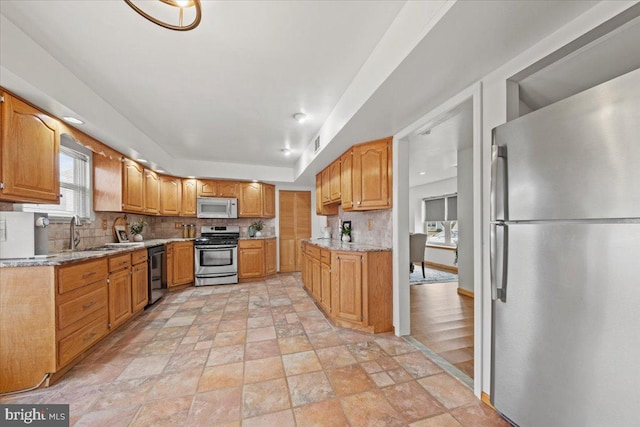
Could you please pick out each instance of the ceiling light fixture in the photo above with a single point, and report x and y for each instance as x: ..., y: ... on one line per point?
x: 300, y: 117
x: 180, y: 4
x: 160, y: 170
x: 142, y: 160
x: 422, y: 173
x: 286, y: 151
x: 191, y: 177
x: 73, y: 120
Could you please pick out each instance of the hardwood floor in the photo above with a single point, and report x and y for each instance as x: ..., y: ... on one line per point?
x: 442, y: 320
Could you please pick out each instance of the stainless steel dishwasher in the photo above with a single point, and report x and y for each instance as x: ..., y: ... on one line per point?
x: 156, y: 287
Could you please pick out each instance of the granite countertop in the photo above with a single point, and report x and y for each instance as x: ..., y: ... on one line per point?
x: 257, y: 238
x: 83, y: 255
x: 338, y: 245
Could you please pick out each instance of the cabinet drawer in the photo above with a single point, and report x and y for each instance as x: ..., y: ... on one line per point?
x: 139, y: 256
x: 250, y: 244
x: 313, y: 251
x: 325, y: 256
x: 79, y: 275
x: 77, y: 309
x: 76, y: 343
x: 119, y: 262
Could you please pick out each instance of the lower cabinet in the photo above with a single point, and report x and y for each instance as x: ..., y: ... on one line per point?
x: 256, y: 258
x: 180, y: 264
x: 139, y: 281
x: 119, y: 290
x: 353, y: 288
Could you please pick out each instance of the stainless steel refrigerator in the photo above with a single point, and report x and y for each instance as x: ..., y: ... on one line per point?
x: 565, y: 261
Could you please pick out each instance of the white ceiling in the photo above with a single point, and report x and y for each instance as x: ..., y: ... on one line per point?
x: 224, y: 93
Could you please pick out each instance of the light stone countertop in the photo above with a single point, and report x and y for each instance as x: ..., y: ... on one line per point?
x: 338, y: 245
x: 82, y: 255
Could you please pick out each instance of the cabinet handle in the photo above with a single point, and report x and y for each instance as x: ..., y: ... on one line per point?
x: 84, y: 307
x: 88, y: 337
x: 87, y: 275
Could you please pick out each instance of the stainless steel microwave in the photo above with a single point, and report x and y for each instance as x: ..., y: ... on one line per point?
x: 217, y: 207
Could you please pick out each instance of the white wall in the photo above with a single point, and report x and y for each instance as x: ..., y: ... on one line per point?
x: 417, y: 193
x: 465, y: 218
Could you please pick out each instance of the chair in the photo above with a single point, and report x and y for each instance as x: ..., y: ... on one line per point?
x: 417, y: 244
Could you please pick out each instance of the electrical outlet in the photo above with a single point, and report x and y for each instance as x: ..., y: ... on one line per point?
x: 178, y: 225
x: 104, y: 224
x: 370, y: 224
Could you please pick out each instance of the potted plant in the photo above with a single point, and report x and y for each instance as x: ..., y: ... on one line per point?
x: 257, y: 227
x: 136, y: 229
x: 346, y: 231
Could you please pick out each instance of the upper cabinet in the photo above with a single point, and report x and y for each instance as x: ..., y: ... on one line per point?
x: 217, y: 188
x: 372, y: 175
x: 29, y: 151
x: 151, y: 192
x: 107, y: 183
x: 256, y: 200
x: 334, y: 181
x: 133, y: 187
x: 346, y: 186
x: 170, y: 195
x: 189, y: 196
x: 322, y: 208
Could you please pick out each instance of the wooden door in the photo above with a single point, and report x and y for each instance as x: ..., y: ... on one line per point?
x: 308, y: 269
x: 107, y: 183
x: 268, y: 201
x: 250, y: 200
x: 346, y: 285
x: 132, y: 186
x: 29, y: 151
x: 250, y: 263
x: 189, y: 197
x: 371, y: 173
x: 151, y: 192
x: 139, y: 286
x: 316, y: 279
x: 326, y: 186
x: 346, y: 187
x: 207, y: 188
x: 334, y: 181
x: 295, y: 227
x: 325, y: 291
x: 169, y: 265
x: 170, y: 195
x: 183, y: 263
x: 227, y: 189
x: 270, y: 257
x: 302, y: 210
x: 119, y: 297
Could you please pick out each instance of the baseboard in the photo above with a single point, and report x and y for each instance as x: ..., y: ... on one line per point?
x: 441, y: 266
x: 465, y: 293
x: 486, y: 399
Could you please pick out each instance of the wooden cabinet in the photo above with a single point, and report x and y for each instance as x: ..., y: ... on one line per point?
x: 119, y: 289
x: 217, y: 188
x: 250, y: 200
x: 353, y: 288
x: 326, y: 186
x: 151, y: 192
x: 372, y: 175
x: 139, y: 280
x: 334, y: 181
x: 270, y: 257
x: 29, y: 154
x: 180, y: 264
x: 268, y: 201
x: 346, y: 186
x: 321, y: 208
x: 295, y: 226
x: 133, y: 188
x: 107, y: 183
x: 189, y: 197
x: 170, y: 195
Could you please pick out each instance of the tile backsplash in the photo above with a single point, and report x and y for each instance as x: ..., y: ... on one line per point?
x: 380, y: 222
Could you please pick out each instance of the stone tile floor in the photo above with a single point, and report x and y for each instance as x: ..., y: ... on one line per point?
x: 257, y: 354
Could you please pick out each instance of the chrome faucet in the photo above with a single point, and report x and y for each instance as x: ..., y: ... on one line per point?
x: 74, y: 236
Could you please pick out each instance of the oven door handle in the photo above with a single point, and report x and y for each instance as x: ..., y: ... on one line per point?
x: 215, y: 248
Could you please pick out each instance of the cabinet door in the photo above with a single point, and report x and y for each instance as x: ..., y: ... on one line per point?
x: 268, y: 201
x: 316, y: 279
x: 29, y: 151
x: 346, y: 187
x: 107, y: 183
x: 319, y: 194
x: 307, y: 269
x: 169, y: 265
x: 325, y: 292
x: 170, y: 195
x: 151, y: 192
x: 250, y: 262
x: 139, y: 287
x: 326, y: 186
x: 207, y: 188
x: 227, y: 189
x: 132, y: 186
x: 270, y: 256
x: 189, y: 197
x: 346, y: 286
x: 371, y: 175
x: 250, y: 200
x: 334, y: 181
x: 183, y: 263
x: 119, y: 297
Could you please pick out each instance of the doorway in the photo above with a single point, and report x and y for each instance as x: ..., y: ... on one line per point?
x: 294, y: 227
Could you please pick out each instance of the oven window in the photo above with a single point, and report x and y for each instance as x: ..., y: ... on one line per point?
x: 216, y: 257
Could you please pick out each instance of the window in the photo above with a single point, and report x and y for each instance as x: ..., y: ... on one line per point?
x: 75, y: 184
x: 439, y: 215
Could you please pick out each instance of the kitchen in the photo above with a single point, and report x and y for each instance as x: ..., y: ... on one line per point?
x: 381, y: 221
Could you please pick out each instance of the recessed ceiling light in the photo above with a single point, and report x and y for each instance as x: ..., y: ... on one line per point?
x: 300, y: 117
x: 191, y: 177
x: 254, y: 180
x: 142, y: 160
x: 73, y: 120
x: 160, y: 170
x: 286, y: 151
x: 422, y: 173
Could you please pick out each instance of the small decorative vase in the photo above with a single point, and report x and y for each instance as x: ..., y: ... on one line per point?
x: 258, y: 233
x: 137, y: 238
x: 252, y: 231
x: 346, y: 238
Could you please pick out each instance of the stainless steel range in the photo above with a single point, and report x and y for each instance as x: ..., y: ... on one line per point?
x: 216, y: 257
